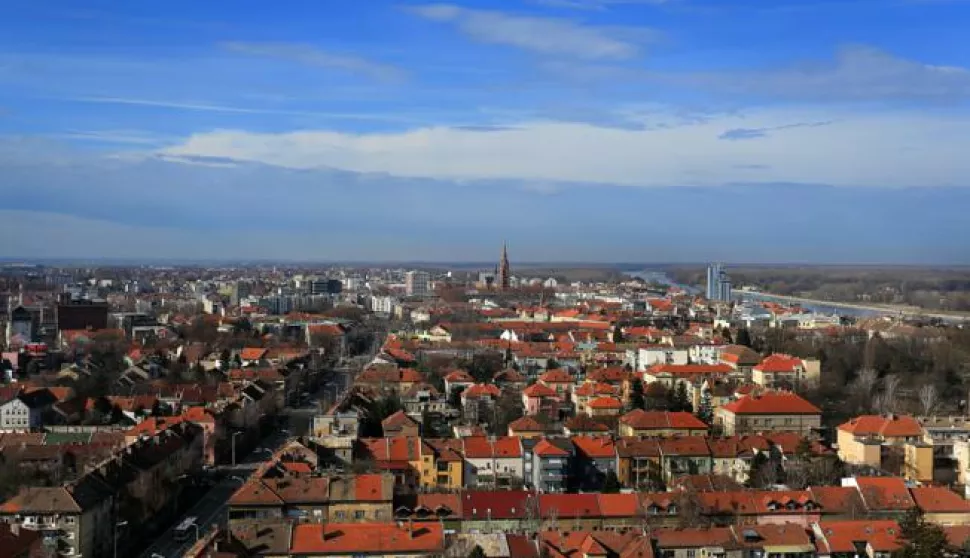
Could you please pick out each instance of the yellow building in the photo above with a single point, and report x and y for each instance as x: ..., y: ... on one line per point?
x: 772, y: 411
x: 867, y: 439
x: 661, y: 424
x: 447, y: 464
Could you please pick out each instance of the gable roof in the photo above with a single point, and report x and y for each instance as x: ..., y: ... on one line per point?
x: 894, y: 426
x: 772, y: 403
x: 643, y: 420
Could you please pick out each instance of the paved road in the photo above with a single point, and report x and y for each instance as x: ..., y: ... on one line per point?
x: 212, y: 507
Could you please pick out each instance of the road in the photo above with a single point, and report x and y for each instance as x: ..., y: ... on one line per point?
x: 212, y: 507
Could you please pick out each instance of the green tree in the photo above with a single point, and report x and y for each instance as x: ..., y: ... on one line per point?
x: 681, y: 399
x: 637, y: 401
x: 743, y: 337
x: 477, y: 552
x: 923, y: 539
x: 552, y: 363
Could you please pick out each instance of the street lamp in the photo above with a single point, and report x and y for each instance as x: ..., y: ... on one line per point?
x: 117, y: 524
x: 234, y: 434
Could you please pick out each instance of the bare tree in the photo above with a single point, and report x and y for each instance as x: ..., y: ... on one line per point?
x: 929, y: 398
x: 864, y: 383
x: 890, y: 391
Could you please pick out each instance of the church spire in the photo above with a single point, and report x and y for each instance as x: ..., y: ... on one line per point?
x: 504, y: 272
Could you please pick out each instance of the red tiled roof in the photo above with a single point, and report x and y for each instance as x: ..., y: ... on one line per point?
x: 495, y: 504
x: 545, y: 448
x: 569, y: 505
x: 842, y: 536
x: 369, y: 488
x: 772, y: 403
x: 891, y: 426
x: 481, y: 390
x: 605, y: 403
x: 397, y: 421
x: 526, y: 424
x: 884, y: 493
x: 556, y: 376
x: 690, y: 369
x: 937, y: 499
x: 595, y: 446
x: 657, y: 420
x: 539, y: 390
x: 252, y: 353
x: 367, y: 538
x: 779, y: 363
x: 459, y: 376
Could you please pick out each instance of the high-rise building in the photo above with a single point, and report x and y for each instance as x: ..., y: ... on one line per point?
x: 504, y: 272
x: 718, y: 283
x: 417, y: 283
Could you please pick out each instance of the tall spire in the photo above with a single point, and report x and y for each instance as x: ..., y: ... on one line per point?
x: 504, y: 272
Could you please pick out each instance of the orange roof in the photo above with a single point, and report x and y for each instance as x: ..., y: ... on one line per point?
x: 153, y: 425
x: 367, y: 538
x: 482, y: 390
x: 842, y: 536
x: 526, y: 424
x: 885, y: 493
x: 539, y: 390
x: 937, y: 499
x: 891, y: 426
x: 595, y: 446
x: 296, y: 467
x: 605, y: 403
x: 690, y: 369
x: 459, y: 376
x: 779, y: 363
x: 658, y: 420
x: 252, y: 353
x: 368, y: 487
x: 772, y: 403
x: 619, y: 505
x: 556, y: 376
x: 545, y: 448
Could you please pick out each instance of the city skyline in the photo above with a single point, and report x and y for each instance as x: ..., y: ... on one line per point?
x: 590, y: 130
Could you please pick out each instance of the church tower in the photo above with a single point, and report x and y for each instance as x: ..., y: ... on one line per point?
x: 504, y: 273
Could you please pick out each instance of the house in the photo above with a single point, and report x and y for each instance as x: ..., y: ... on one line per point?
x: 510, y: 379
x: 458, y: 380
x: 400, y: 424
x: 559, y: 380
x: 601, y: 407
x: 670, y: 375
x: 77, y: 518
x: 572, y: 512
x: 478, y: 400
x: 24, y: 412
x: 583, y: 424
x: 741, y: 359
x: 20, y: 543
x: 882, y: 496
x: 684, y: 455
x: 638, y: 463
x: 547, y: 464
x: 253, y: 356
x: 781, y: 371
x: 649, y: 355
x: 695, y: 541
x: 528, y: 427
x: 661, y: 423
x: 448, y: 463
x: 540, y: 399
x: 589, y: 391
x: 495, y: 462
x: 871, y: 439
x: 573, y: 543
x: 771, y: 411
x: 874, y: 539
x: 941, y: 505
x: 595, y: 459
x: 496, y: 511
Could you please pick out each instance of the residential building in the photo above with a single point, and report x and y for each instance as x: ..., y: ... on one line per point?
x: 375, y: 539
x: 23, y: 412
x: 493, y: 462
x: 400, y: 424
x: 661, y: 424
x: 874, y: 440
x: 768, y: 412
x: 547, y: 464
x: 595, y: 459
x: 417, y: 283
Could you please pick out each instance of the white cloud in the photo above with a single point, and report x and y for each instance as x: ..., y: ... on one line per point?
x: 857, y: 73
x: 547, y: 36
x: 312, y: 56
x: 853, y: 149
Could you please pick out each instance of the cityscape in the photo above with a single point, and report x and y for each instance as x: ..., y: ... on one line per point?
x: 485, y: 279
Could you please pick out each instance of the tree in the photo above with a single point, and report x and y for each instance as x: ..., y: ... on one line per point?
x: 611, y: 484
x: 689, y: 511
x: 477, y: 552
x: 637, y: 401
x: 655, y: 396
x: 862, y: 386
x: 552, y: 364
x: 743, y: 337
x: 681, y: 399
x: 928, y: 399
x: 890, y: 389
x: 923, y: 539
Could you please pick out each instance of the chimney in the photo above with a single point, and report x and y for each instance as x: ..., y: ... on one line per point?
x: 410, y: 528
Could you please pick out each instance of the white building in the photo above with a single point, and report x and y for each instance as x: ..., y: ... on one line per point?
x: 417, y: 283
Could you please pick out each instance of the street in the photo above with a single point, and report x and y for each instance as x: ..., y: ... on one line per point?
x: 212, y: 507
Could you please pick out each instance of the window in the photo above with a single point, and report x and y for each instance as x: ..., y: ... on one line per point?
x: 691, y: 553
x: 340, y: 515
x: 359, y: 514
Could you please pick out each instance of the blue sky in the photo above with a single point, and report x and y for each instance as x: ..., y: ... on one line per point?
x: 592, y: 130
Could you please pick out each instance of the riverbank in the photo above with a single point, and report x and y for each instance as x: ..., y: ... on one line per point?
x: 874, y: 309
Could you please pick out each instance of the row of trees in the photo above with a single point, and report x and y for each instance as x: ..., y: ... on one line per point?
x: 657, y: 397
